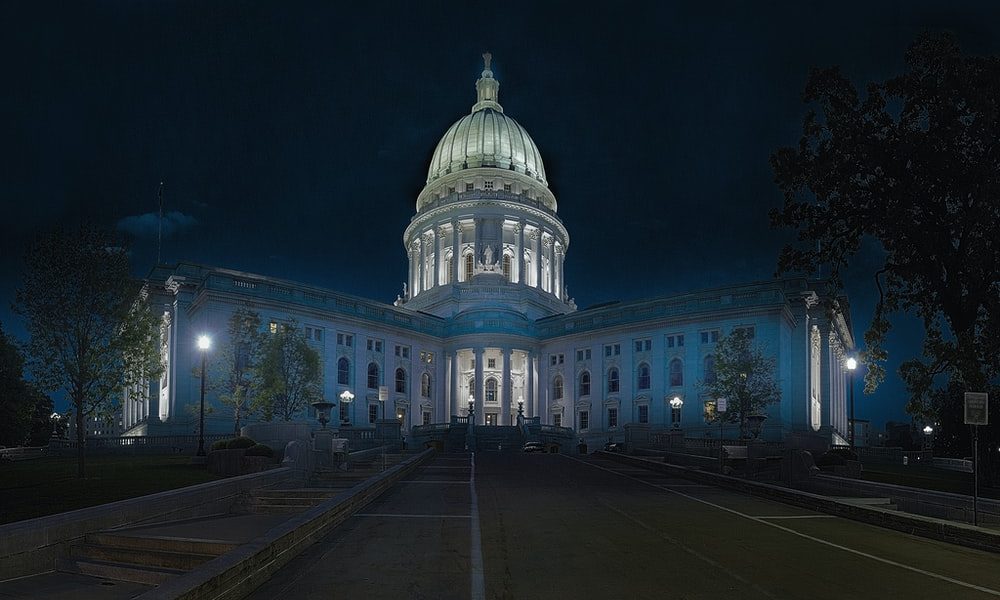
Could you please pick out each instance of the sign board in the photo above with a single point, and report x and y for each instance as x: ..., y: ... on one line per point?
x: 721, y: 405
x: 383, y: 393
x: 977, y: 408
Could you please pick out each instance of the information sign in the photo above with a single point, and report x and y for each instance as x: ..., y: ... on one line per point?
x: 977, y: 408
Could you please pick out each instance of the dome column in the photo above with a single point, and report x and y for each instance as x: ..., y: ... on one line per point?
x: 411, y: 278
x: 519, y: 254
x: 438, y: 245
x: 536, y: 239
x: 531, y: 394
x: 421, y: 270
x: 456, y: 254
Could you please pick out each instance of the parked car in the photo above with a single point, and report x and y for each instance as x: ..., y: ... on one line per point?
x: 533, y: 447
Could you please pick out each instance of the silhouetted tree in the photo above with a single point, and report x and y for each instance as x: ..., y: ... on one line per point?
x: 16, y: 401
x: 92, y: 333
x: 912, y: 164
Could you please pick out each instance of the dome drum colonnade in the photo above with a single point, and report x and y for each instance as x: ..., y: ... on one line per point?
x: 486, y: 228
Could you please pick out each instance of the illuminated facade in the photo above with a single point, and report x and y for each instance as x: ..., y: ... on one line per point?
x: 485, y: 315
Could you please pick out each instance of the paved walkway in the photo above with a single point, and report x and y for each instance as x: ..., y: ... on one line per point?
x: 556, y: 526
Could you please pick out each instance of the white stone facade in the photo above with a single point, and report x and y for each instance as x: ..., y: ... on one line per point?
x: 485, y: 315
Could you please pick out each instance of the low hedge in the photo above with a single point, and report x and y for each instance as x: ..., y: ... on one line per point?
x: 260, y: 450
x: 239, y: 443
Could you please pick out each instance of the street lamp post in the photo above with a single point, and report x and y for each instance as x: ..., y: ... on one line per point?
x: 852, y: 364
x: 675, y: 404
x: 346, y: 397
x: 204, y: 343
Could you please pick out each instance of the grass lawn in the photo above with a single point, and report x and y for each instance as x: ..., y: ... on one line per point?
x: 46, y: 486
x: 918, y: 476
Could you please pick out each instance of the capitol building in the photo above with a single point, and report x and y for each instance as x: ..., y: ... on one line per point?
x: 484, y: 321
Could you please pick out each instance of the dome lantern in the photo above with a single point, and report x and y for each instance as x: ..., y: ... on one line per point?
x: 487, y: 88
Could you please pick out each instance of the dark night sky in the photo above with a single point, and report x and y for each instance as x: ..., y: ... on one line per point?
x: 294, y: 137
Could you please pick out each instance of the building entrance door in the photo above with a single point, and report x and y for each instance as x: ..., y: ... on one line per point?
x: 491, y: 418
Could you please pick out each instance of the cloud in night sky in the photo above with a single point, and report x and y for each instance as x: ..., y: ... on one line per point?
x: 146, y: 225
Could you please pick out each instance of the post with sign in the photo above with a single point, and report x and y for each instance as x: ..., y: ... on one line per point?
x: 721, y: 405
x: 383, y: 395
x: 977, y: 412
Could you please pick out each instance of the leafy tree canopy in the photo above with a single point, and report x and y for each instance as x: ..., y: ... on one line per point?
x: 914, y: 164
x: 744, y: 376
x: 92, y: 334
x: 236, y: 371
x: 290, y: 372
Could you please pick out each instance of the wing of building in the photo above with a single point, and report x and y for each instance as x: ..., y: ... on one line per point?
x: 485, y: 322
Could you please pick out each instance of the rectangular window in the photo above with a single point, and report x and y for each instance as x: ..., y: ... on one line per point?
x: 506, y: 187
x: 552, y: 360
x: 612, y: 417
x: 427, y: 357
x: 371, y: 345
x: 643, y: 345
x: 710, y: 337
x: 345, y: 339
x: 670, y: 341
x: 584, y: 420
x: 487, y: 185
x: 375, y: 345
x: 403, y: 351
x: 491, y: 363
x: 644, y: 413
x: 607, y: 351
x: 557, y: 420
x: 680, y: 340
x: 451, y: 190
x: 468, y: 187
x: 427, y: 418
x: 579, y: 355
x: 562, y: 358
x: 272, y: 327
x: 372, y: 413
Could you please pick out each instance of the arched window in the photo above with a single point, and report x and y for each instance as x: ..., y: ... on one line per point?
x: 468, y: 267
x: 506, y: 266
x: 613, y: 383
x: 557, y: 388
x: 585, y: 383
x: 401, y: 381
x: 491, y: 390
x: 425, y: 386
x: 709, y: 369
x: 676, y: 372
x: 527, y: 278
x: 372, y: 376
x: 447, y: 270
x: 643, y: 379
x: 343, y: 371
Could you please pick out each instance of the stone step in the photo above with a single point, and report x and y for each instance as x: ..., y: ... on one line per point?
x: 117, y: 571
x: 306, y: 492
x: 283, y: 509
x: 160, y: 543
x: 144, y: 558
x: 288, y: 501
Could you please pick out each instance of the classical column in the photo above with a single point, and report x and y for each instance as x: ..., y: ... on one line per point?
x: 423, y: 262
x: 479, y: 386
x: 449, y: 393
x: 456, y: 253
x: 825, y: 387
x: 438, y: 243
x: 506, y: 354
x: 536, y: 237
x: 413, y: 270
x: 519, y: 252
x: 456, y: 384
x: 530, y: 397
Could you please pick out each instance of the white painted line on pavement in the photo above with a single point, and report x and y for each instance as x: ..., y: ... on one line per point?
x: 475, y: 540
x: 796, y: 517
x: 412, y: 516
x: 441, y: 482
x: 880, y: 559
x: 716, y: 564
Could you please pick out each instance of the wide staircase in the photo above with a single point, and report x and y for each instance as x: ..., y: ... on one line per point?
x: 155, y: 554
x: 499, y: 438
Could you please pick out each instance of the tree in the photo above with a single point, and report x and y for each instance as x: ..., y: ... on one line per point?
x: 91, y: 331
x: 744, y: 376
x: 237, y: 369
x: 16, y: 402
x: 913, y: 166
x: 290, y: 373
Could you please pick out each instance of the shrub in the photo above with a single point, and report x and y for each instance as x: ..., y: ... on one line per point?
x: 260, y: 450
x: 219, y: 445
x: 240, y: 443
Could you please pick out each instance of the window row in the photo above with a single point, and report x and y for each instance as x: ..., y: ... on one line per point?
x: 344, y: 378
x: 643, y: 379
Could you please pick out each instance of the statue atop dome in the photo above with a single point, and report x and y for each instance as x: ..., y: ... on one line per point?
x: 487, y: 57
